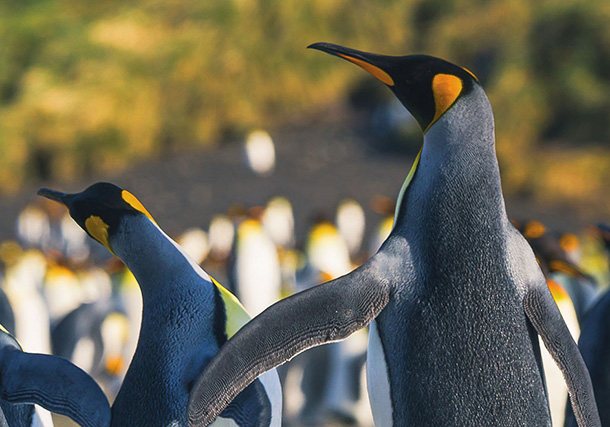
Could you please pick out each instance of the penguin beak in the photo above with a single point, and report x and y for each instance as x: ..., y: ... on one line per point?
x: 58, y: 196
x: 368, y: 61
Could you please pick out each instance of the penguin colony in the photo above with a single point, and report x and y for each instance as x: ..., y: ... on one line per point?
x: 472, y: 319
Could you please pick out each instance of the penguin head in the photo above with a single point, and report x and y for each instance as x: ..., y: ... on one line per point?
x: 426, y: 86
x: 99, y: 209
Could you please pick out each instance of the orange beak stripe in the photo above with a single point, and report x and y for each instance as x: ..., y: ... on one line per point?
x: 375, y: 71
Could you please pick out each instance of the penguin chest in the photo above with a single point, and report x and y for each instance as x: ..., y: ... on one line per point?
x: 377, y: 379
x: 455, y: 363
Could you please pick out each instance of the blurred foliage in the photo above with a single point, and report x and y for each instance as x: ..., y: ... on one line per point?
x: 95, y: 85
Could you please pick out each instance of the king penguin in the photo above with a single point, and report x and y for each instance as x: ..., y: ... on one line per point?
x: 187, y: 316
x: 455, y: 292
x: 30, y: 379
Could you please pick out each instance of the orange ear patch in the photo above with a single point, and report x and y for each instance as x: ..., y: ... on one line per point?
x: 446, y: 89
x: 375, y: 71
x: 98, y: 229
x: 135, y: 203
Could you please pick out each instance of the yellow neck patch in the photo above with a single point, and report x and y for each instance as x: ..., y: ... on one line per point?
x: 237, y: 316
x: 98, y: 229
x: 375, y: 71
x: 405, y: 184
x: 135, y: 203
x: 446, y: 89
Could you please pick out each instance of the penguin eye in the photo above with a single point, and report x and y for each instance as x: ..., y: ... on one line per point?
x: 136, y: 204
x: 446, y: 88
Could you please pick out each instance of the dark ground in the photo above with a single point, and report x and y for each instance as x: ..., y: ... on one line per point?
x: 318, y: 162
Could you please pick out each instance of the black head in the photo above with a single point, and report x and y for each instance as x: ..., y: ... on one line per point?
x: 425, y: 85
x: 99, y: 209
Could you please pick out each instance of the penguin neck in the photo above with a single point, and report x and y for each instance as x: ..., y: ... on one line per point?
x: 158, y: 263
x: 457, y: 178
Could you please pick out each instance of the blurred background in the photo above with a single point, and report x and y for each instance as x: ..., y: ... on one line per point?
x: 164, y: 97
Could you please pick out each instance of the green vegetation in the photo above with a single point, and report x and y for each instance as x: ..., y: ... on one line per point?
x: 95, y: 85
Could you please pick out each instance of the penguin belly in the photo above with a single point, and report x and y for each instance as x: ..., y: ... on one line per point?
x: 377, y: 380
x: 454, y: 362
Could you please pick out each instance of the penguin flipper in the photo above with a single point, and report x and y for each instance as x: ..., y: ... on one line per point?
x: 53, y: 383
x: 542, y: 311
x: 324, y: 313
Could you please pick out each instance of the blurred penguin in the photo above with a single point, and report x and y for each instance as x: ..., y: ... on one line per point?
x: 221, y: 234
x: 385, y: 207
x: 581, y: 287
x: 94, y: 337
x: 260, y: 152
x: 332, y: 380
x: 33, y: 229
x: 256, y: 269
x: 555, y: 384
x: 95, y: 284
x: 351, y: 222
x: 570, y: 243
x: 62, y: 291
x: 278, y: 222
x: 74, y: 244
x: 129, y: 298
x: 195, y: 243
x: 22, y: 284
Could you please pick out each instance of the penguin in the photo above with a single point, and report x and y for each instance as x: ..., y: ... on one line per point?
x: 351, y: 222
x: 259, y: 152
x: 22, y: 284
x: 556, y: 387
x: 187, y: 316
x: 454, y: 296
x: 385, y: 207
x: 278, y: 222
x: 194, y: 241
x: 221, y: 234
x: 581, y: 287
x: 256, y: 275
x: 33, y: 227
x: 331, y: 374
x: 594, y: 344
x: 30, y: 382
x: 62, y: 291
x: 570, y: 243
x: 79, y: 338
